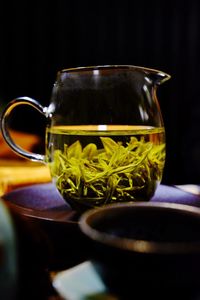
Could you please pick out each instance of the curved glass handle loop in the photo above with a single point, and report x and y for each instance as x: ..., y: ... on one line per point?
x: 5, y: 128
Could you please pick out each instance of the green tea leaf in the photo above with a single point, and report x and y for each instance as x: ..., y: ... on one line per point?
x: 109, y: 145
x: 89, y: 151
x: 74, y: 150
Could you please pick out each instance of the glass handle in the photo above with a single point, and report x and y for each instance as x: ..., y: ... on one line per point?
x: 5, y: 128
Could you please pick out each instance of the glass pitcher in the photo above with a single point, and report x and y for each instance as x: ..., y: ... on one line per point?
x: 105, y: 137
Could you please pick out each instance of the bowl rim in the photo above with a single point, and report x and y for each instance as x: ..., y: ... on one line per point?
x: 140, y: 246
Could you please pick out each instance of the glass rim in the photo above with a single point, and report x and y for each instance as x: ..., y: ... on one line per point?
x: 92, y: 68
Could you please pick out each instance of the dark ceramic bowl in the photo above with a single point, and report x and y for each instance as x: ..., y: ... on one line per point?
x: 146, y: 249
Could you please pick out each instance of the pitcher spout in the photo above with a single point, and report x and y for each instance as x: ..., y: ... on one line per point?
x: 159, y: 77
x: 162, y: 77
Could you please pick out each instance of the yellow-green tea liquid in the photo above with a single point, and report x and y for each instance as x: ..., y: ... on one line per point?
x: 95, y: 165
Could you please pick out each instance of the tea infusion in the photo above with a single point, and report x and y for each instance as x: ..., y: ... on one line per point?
x: 94, y: 166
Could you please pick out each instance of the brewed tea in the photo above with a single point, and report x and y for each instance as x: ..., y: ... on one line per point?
x: 97, y: 165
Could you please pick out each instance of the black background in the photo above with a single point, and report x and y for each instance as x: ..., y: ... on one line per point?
x: 38, y: 38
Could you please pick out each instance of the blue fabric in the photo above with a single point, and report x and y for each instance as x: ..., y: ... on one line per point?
x: 46, y: 197
x: 172, y: 194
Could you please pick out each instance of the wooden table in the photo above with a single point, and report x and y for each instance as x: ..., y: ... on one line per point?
x: 15, y: 173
